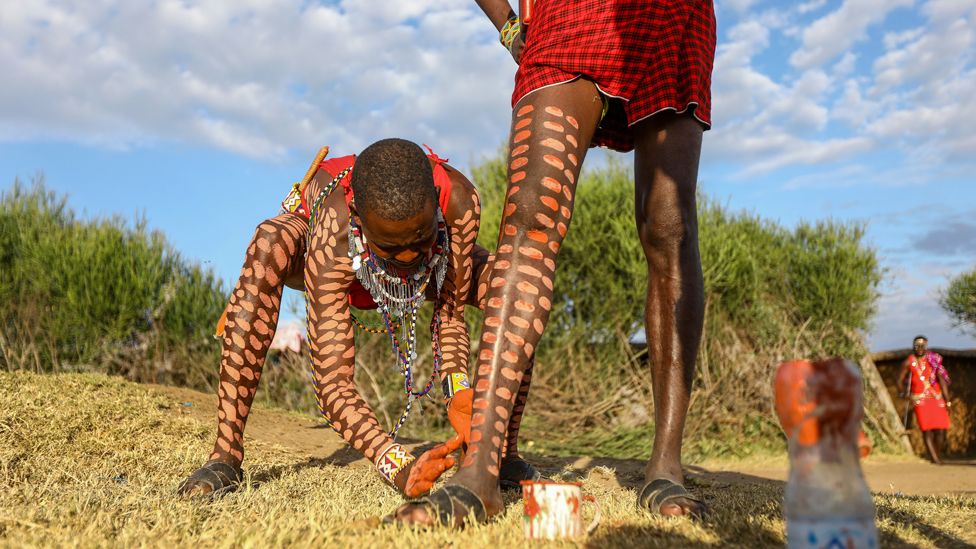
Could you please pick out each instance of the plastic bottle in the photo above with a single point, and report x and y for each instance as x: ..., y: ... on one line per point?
x: 827, y: 503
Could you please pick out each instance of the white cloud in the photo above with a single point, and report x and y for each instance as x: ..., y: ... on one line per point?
x: 837, y: 31
x: 811, y: 6
x: 909, y: 306
x: 740, y: 6
x: 253, y: 77
x: 941, y: 10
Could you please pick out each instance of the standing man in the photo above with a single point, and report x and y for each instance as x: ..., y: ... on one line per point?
x: 628, y: 75
x: 928, y: 383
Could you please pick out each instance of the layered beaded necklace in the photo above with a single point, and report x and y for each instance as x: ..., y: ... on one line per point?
x: 398, y: 298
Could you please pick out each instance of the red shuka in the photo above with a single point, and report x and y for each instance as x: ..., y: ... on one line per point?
x: 655, y: 56
x: 930, y: 406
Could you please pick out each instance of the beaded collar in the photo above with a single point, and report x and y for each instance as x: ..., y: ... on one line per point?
x: 401, y: 297
x: 394, y: 293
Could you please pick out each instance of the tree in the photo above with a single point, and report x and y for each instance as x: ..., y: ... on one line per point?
x: 959, y: 300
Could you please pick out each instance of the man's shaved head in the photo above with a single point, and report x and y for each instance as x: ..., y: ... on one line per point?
x: 392, y: 179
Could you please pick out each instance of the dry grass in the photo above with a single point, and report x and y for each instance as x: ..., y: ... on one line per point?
x: 89, y: 460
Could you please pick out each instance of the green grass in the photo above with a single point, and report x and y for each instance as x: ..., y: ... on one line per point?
x: 93, y: 461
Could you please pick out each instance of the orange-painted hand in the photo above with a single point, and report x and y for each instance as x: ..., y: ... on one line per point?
x: 794, y: 401
x: 459, y: 413
x: 817, y: 397
x: 430, y: 466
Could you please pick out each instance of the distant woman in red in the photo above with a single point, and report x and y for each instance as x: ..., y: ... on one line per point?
x: 929, y: 393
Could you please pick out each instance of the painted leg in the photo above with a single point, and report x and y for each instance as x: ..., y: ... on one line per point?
x: 551, y: 131
x: 252, y: 319
x: 482, y: 262
x: 666, y: 172
x: 510, y: 451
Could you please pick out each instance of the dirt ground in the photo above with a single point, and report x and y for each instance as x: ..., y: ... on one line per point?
x: 304, y: 437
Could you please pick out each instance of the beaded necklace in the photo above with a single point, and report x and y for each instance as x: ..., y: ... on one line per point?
x: 927, y: 389
x: 397, y: 297
x: 401, y: 297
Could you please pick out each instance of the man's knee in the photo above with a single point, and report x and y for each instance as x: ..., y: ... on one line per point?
x: 667, y: 231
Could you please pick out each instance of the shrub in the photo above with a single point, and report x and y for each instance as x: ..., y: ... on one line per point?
x: 120, y: 299
x: 98, y: 294
x: 959, y: 300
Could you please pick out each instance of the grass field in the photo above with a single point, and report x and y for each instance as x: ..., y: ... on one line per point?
x: 90, y: 460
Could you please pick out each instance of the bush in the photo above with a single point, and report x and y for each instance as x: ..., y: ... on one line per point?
x: 99, y: 294
x: 959, y: 300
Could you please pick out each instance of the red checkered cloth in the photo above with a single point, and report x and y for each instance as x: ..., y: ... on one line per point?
x: 654, y: 55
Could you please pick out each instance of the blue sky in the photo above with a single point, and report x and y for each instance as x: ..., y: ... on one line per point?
x: 199, y: 115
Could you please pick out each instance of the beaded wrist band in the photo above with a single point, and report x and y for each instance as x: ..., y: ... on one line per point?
x: 453, y: 383
x: 510, y: 31
x: 393, y: 460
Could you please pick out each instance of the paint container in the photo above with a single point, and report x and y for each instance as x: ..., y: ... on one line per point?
x: 553, y: 510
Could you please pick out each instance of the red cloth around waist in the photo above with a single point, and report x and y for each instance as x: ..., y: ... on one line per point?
x: 656, y: 56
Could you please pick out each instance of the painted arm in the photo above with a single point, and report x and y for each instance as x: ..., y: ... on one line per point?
x: 332, y: 345
x: 944, y: 385
x: 460, y: 283
x: 328, y: 276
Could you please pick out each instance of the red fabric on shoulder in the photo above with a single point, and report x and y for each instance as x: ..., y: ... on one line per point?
x: 359, y: 297
x: 335, y: 165
x: 442, y: 180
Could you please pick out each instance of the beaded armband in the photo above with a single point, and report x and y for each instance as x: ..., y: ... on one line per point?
x: 293, y: 202
x: 453, y: 383
x: 393, y: 460
x: 510, y: 31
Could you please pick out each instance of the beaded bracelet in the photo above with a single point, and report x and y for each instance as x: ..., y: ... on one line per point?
x: 458, y: 381
x: 510, y: 31
x: 393, y: 460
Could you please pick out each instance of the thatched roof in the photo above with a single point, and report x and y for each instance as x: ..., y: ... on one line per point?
x: 900, y: 354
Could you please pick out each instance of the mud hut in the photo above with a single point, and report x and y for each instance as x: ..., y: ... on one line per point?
x: 961, y: 365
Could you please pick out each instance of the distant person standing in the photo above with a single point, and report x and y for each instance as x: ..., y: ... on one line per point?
x: 927, y: 382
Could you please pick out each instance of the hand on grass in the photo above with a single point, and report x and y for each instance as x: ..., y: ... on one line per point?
x: 430, y: 466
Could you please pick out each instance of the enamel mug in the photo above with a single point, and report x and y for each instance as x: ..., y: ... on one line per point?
x: 552, y: 510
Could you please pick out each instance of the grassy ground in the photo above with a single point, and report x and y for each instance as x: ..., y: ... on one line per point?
x: 89, y: 460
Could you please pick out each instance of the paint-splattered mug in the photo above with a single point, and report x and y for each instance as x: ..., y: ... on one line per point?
x: 552, y: 510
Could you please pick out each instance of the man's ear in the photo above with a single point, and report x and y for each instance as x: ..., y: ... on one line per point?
x: 355, y: 212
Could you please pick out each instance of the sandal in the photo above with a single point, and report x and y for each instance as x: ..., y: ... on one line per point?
x: 442, y: 504
x: 659, y: 491
x: 514, y: 471
x: 220, y: 477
